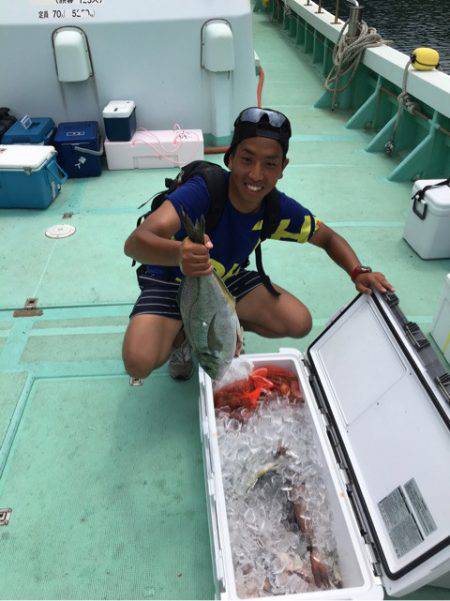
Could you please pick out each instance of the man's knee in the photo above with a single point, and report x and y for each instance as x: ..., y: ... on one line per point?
x: 300, y: 325
x: 140, y: 365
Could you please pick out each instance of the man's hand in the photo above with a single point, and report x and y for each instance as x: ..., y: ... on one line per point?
x: 365, y: 282
x: 194, y: 258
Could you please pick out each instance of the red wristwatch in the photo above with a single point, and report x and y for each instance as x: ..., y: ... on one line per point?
x: 358, y: 270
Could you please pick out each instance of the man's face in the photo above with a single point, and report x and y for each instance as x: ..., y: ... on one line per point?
x: 256, y: 166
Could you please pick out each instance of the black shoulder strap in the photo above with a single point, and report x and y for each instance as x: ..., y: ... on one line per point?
x: 217, y: 183
x: 271, y: 219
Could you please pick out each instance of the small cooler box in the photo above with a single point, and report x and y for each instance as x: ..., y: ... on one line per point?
x: 427, y: 228
x: 119, y: 117
x: 79, y: 148
x: 379, y: 405
x: 441, y: 324
x: 155, y: 149
x: 30, y: 177
x: 38, y: 131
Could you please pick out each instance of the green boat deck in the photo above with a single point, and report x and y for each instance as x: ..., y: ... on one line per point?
x: 105, y: 481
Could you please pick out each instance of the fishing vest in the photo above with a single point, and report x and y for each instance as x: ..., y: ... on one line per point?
x: 216, y: 180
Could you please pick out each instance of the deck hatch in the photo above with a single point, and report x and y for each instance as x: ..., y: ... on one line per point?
x: 30, y: 309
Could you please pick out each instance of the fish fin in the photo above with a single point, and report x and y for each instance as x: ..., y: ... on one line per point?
x: 196, y: 232
x: 230, y: 298
x: 214, y: 341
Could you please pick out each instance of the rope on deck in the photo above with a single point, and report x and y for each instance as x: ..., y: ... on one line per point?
x: 347, y: 55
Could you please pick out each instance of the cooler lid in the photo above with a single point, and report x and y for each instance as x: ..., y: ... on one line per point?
x: 24, y: 156
x: 378, y: 381
x: 119, y: 109
x: 76, y: 132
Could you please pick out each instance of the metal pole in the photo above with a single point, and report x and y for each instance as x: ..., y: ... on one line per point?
x: 336, y: 13
x: 320, y: 7
x: 354, y: 21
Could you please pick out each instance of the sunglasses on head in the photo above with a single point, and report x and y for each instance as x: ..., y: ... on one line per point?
x: 257, y: 115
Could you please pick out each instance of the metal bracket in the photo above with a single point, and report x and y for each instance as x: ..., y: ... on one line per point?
x: 416, y: 336
x: 29, y: 310
x: 4, y: 516
x: 391, y: 299
x: 443, y: 383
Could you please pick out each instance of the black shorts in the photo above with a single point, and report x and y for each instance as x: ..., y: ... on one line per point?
x: 159, y: 297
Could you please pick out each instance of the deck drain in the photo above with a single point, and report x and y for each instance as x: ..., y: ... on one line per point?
x: 60, y: 231
x: 4, y: 516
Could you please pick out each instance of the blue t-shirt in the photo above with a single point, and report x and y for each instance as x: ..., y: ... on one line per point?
x: 237, y: 234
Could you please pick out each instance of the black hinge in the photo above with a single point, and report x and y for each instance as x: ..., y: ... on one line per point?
x: 443, y: 383
x: 337, y: 450
x: 318, y: 394
x: 416, y: 336
x: 364, y: 528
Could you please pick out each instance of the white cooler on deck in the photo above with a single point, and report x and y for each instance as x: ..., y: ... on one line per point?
x: 441, y: 324
x: 427, y: 228
x: 156, y: 149
x: 379, y: 399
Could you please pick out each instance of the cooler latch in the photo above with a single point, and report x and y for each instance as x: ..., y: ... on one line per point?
x: 364, y: 528
x: 391, y: 299
x: 416, y: 336
x: 443, y: 383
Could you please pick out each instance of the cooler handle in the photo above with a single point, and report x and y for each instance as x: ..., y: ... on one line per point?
x: 418, y: 200
x: 95, y: 153
x: 54, y: 170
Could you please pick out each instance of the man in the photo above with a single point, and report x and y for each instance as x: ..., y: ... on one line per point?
x: 256, y: 160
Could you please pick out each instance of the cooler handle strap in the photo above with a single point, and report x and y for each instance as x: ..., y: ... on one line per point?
x: 417, y: 201
x: 58, y: 174
x: 419, y: 196
x: 95, y: 153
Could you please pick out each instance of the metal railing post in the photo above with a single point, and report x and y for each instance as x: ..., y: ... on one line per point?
x: 336, y: 13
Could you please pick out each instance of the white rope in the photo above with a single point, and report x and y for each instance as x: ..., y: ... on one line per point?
x: 347, y: 55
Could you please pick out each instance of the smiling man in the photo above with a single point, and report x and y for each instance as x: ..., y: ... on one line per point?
x: 256, y: 159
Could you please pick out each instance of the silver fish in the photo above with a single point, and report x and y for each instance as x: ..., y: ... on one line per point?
x: 208, y: 313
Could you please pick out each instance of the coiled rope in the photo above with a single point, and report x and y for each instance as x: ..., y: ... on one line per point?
x: 347, y: 55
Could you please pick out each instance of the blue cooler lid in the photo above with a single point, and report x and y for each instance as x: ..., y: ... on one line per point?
x: 76, y: 132
x: 38, y: 130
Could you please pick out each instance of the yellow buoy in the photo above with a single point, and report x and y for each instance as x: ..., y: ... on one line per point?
x: 425, y: 59
x: 266, y: 3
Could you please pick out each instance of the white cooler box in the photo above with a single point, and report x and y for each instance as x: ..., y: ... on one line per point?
x: 427, y: 228
x: 441, y: 324
x: 379, y: 400
x: 156, y: 149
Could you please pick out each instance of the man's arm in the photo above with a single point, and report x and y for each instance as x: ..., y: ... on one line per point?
x: 151, y: 243
x: 342, y: 253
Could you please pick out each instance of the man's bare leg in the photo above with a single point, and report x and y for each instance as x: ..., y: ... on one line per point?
x: 148, y: 343
x: 274, y: 317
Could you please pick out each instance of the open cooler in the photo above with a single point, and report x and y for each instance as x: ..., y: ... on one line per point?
x: 379, y: 399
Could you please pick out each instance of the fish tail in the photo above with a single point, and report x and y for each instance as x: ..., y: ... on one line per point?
x: 195, y: 232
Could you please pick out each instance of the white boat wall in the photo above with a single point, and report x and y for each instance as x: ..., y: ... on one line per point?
x: 190, y: 63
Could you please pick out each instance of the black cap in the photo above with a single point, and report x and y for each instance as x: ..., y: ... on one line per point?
x: 258, y: 122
